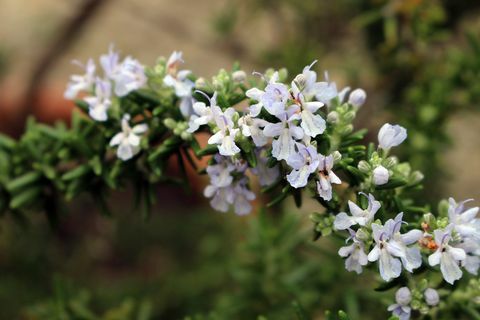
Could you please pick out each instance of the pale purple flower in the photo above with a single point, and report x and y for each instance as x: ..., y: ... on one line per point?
x: 99, y: 104
x: 359, y: 216
x: 402, y: 308
x: 253, y: 127
x: 202, y: 114
x: 304, y: 162
x: 274, y: 98
x: 472, y: 249
x: 355, y: 254
x: 391, y: 136
x: 179, y: 81
x: 82, y: 82
x: 312, y: 124
x: 236, y: 194
x: 220, y: 172
x: 110, y: 63
x: 431, y: 297
x: 128, y: 140
x: 266, y: 175
x: 326, y: 177
x: 225, y: 136
x: 129, y: 76
x: 380, y: 175
x: 447, y: 256
x: 391, y: 248
x: 464, y: 221
x: 326, y: 91
x: 285, y: 132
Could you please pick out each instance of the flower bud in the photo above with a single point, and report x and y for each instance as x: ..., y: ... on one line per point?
x: 200, y: 83
x: 391, y: 136
x: 300, y: 80
x: 431, y: 297
x: 391, y: 162
x: 417, y: 176
x: 357, y: 98
x: 337, y: 156
x: 403, y: 296
x: 239, y: 76
x: 380, y: 175
x: 349, y: 116
x: 170, y: 123
x: 185, y: 135
x: 332, y: 117
x: 364, y: 166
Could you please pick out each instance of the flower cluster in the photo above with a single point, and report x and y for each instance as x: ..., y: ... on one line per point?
x: 293, y: 136
x: 118, y: 80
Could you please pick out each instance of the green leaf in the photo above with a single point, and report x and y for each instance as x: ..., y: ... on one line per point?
x: 26, y: 197
x: 76, y: 173
x: 23, y: 181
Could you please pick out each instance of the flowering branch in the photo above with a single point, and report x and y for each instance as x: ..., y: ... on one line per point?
x: 295, y: 138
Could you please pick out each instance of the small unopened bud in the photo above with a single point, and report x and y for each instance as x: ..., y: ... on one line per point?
x: 300, y: 80
x: 332, y: 117
x: 239, y: 76
x: 337, y: 156
x: 200, y: 83
x: 391, y: 161
x: 431, y: 297
x: 362, y: 235
x: 364, y: 166
x: 349, y: 116
x: 380, y: 175
x: 403, y: 296
x: 185, y: 135
x: 417, y: 176
x: 170, y: 123
x: 357, y: 98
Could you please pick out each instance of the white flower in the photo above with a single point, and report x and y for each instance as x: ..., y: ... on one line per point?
x: 128, y: 140
x: 129, y: 76
x: 402, y: 308
x: 357, y: 98
x: 203, y: 114
x: 359, y: 216
x: 285, y: 132
x: 431, y: 297
x: 100, y: 103
x: 178, y: 80
x: 225, y: 137
x: 253, y: 127
x: 355, y: 254
x: 447, y: 256
x: 266, y: 175
x: 83, y: 82
x: 109, y: 63
x: 465, y: 222
x: 312, y: 124
x: 391, y: 136
x: 472, y: 260
x: 220, y: 172
x: 391, y: 245
x: 380, y: 175
x: 274, y: 98
x: 326, y: 177
x: 304, y: 163
x: 236, y: 194
x: 327, y: 90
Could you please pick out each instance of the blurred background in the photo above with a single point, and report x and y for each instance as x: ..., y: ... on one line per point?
x: 418, y: 60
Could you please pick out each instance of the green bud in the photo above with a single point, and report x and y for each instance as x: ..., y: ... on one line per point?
x: 390, y: 162
x: 282, y: 74
x: 363, y: 234
x: 364, y: 166
x: 337, y: 156
x: 332, y: 117
x: 416, y: 177
x: 349, y: 116
x: 347, y: 129
x: 186, y: 135
x: 170, y: 123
